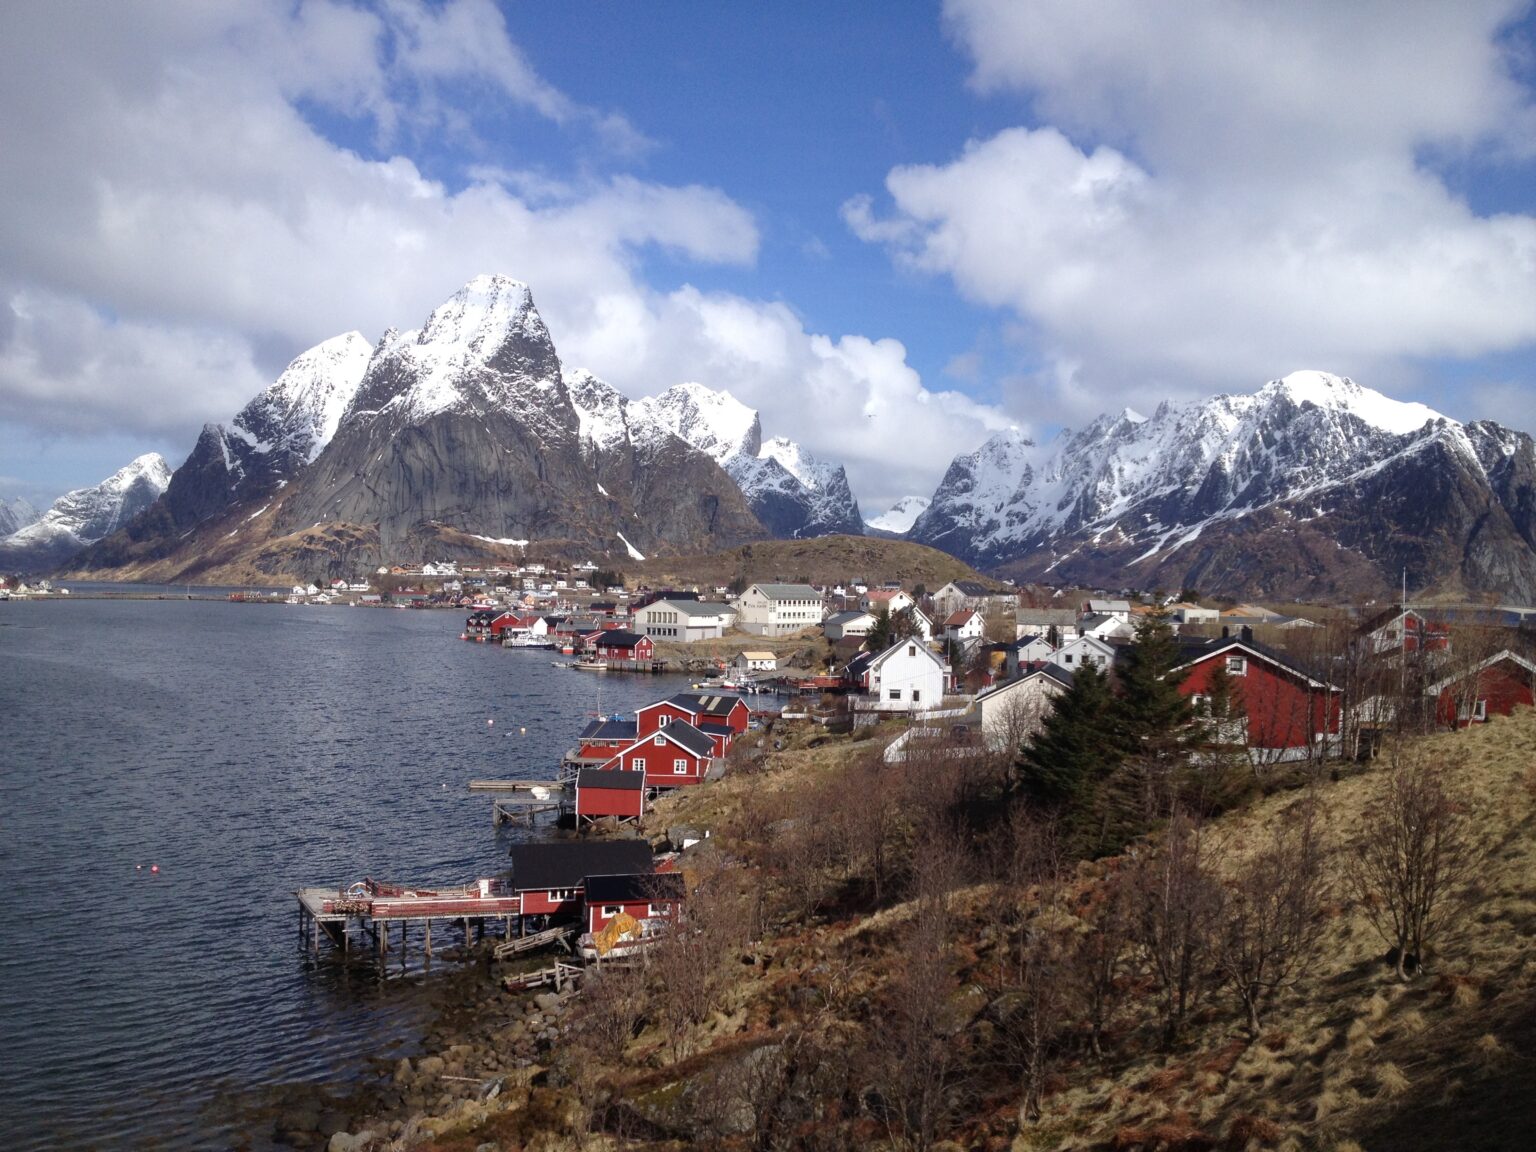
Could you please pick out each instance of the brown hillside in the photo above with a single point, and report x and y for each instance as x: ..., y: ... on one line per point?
x: 819, y: 560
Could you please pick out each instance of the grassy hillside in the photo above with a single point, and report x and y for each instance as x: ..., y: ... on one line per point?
x: 821, y: 560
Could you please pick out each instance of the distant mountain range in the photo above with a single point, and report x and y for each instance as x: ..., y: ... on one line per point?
x: 462, y: 439
x: 81, y: 517
x: 1313, y: 486
x: 468, y: 439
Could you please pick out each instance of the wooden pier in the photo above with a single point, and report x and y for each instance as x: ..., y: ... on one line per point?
x: 561, y: 975
x: 371, y: 911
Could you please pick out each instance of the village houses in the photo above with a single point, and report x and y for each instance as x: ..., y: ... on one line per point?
x: 778, y: 609
x: 684, y: 621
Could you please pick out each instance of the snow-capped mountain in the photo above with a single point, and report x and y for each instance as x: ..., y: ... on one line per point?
x: 86, y: 515
x: 788, y: 489
x: 16, y: 514
x: 439, y: 442
x: 898, y: 519
x: 272, y: 438
x: 1355, y: 484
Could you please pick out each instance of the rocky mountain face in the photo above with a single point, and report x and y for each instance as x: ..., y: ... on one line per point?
x: 16, y: 514
x: 273, y: 437
x: 789, y: 490
x: 458, y: 440
x: 85, y: 515
x: 1312, y: 486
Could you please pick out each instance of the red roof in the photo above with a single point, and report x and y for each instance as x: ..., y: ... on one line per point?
x: 959, y: 619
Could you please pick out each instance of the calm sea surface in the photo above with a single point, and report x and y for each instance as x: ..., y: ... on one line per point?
x: 245, y: 751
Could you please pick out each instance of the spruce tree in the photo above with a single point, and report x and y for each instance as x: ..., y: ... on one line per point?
x: 1073, y: 754
x: 1151, y: 713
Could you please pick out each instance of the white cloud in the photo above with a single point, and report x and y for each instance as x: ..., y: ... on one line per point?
x: 175, y: 229
x: 1220, y: 193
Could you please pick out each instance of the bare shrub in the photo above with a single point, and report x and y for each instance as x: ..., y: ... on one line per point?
x: 1271, y: 920
x: 1412, y: 866
x: 1178, y: 901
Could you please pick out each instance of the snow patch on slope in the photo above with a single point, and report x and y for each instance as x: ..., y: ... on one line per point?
x: 901, y: 515
x: 86, y: 515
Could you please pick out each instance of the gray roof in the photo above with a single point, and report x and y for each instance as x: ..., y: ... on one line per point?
x: 788, y: 591
x: 1061, y: 617
x: 844, y: 617
x: 688, y: 736
x: 692, y: 607
x: 610, y: 778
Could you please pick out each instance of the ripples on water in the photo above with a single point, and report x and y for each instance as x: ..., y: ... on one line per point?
x: 245, y: 750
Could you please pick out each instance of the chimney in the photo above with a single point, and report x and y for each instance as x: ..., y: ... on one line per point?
x: 1226, y: 632
x: 1247, y: 634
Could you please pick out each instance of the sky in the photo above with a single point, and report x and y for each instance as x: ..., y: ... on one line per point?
x: 894, y: 229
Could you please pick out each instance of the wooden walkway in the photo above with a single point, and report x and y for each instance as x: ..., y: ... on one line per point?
x: 372, y: 916
x: 559, y: 935
x: 561, y: 975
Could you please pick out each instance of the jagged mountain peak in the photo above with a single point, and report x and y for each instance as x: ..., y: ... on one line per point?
x: 85, y: 515
x: 1340, y: 394
x: 301, y: 409
x: 712, y: 421
x: 1298, y: 451
x: 16, y: 514
x: 486, y: 346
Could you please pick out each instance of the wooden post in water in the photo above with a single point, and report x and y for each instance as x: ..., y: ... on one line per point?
x: 429, y: 937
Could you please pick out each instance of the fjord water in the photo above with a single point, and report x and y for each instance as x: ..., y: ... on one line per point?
x: 244, y: 751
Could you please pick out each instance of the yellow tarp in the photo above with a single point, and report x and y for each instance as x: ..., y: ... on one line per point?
x: 621, y: 927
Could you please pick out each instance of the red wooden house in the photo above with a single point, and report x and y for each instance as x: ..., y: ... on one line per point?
x: 1397, y: 628
x: 1493, y: 688
x: 600, y: 794
x: 603, y: 739
x: 648, y: 896
x: 549, y: 879
x: 674, y: 755
x: 697, y: 709
x: 1289, y: 712
x: 617, y: 644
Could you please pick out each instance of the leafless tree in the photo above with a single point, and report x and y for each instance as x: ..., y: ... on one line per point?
x: 1177, y: 900
x: 1041, y: 934
x: 1099, y: 971
x: 1271, y: 920
x: 1412, y: 866
x: 688, y: 964
x: 913, y: 1048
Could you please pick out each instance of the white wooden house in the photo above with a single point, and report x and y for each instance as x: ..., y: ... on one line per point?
x: 906, y: 677
x: 778, y: 609
x: 1084, y: 650
x: 1013, y: 712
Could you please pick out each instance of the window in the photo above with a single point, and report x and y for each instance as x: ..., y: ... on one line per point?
x: 659, y: 740
x: 1067, y: 659
x: 894, y: 694
x: 1237, y: 666
x: 911, y: 649
x: 679, y: 767
x: 653, y: 910
x: 612, y: 910
x: 560, y: 895
x: 917, y: 694
x: 1480, y: 710
x: 639, y: 763
x: 661, y: 722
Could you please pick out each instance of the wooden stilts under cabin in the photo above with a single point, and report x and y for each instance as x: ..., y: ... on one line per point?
x: 376, y: 907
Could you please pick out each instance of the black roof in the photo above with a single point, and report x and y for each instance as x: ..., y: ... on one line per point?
x: 631, y: 887
x: 689, y: 737
x: 606, y: 729
x: 716, y: 729
x: 614, y: 638
x: 567, y: 863
x: 706, y: 705
x: 611, y: 778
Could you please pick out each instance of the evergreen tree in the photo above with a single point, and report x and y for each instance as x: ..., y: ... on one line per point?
x: 1073, y: 754
x: 879, y: 638
x: 1151, y: 712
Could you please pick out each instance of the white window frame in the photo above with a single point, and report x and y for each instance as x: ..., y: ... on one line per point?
x: 1480, y: 709
x: 680, y: 767
x: 639, y: 764
x: 1237, y: 665
x: 609, y: 911
x: 893, y: 694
